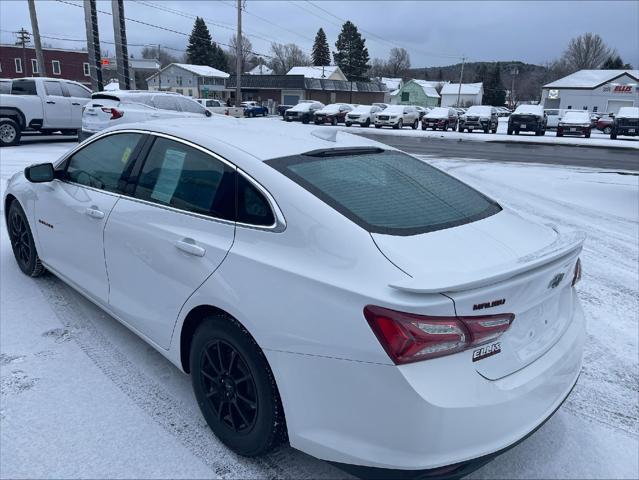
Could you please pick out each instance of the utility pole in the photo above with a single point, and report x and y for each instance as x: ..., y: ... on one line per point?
x: 121, y: 50
x: 42, y: 68
x: 24, y: 37
x: 238, y: 56
x: 93, y: 45
x: 160, y: 72
x: 461, y: 78
x: 513, y: 71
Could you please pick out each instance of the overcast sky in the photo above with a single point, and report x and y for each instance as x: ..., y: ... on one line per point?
x: 434, y: 33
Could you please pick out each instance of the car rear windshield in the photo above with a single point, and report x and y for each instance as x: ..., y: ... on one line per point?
x: 386, y: 191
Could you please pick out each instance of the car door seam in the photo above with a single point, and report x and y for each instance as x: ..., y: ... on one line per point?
x: 384, y: 255
x: 106, y: 266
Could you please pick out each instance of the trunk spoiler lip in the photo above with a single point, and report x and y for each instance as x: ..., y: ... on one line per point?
x: 564, y: 246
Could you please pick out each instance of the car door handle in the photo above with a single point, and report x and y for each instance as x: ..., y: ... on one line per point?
x: 188, y: 245
x: 93, y: 212
x: 50, y: 102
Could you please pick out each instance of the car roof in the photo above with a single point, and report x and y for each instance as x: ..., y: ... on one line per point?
x: 261, y: 140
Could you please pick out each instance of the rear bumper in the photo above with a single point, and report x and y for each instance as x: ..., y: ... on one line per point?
x: 421, y: 416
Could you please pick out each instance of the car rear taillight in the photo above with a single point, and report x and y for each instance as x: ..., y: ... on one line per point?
x: 577, y: 275
x: 408, y: 337
x: 115, y: 113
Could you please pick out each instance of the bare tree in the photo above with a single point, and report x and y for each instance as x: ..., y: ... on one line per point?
x: 379, y: 68
x: 165, y: 58
x: 287, y: 56
x: 587, y: 51
x: 398, y: 62
x: 246, y: 48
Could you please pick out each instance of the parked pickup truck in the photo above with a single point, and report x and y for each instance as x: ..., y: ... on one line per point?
x: 43, y: 104
x: 217, y: 106
x: 626, y: 122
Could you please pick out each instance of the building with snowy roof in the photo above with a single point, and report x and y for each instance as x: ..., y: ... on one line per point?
x: 329, y: 72
x: 260, y: 69
x: 416, y: 92
x: 199, y: 81
x: 469, y: 94
x: 603, y: 91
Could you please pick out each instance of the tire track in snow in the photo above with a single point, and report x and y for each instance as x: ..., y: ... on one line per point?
x: 180, y: 421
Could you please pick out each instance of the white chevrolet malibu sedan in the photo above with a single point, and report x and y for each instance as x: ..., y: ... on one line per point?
x: 318, y: 287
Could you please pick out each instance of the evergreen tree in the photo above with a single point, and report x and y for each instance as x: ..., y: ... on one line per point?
x: 440, y: 75
x: 481, y: 74
x: 321, y: 53
x: 494, y: 93
x: 615, y: 63
x: 202, y: 50
x: 352, y: 54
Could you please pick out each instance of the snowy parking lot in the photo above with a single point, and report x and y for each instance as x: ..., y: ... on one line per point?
x: 81, y: 396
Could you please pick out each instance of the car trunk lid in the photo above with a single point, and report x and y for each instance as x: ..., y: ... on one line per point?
x: 501, y: 264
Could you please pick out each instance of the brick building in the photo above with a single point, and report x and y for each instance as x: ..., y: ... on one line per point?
x: 62, y: 63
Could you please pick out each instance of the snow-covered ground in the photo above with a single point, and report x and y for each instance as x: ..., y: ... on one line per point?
x: 597, y: 138
x: 81, y: 396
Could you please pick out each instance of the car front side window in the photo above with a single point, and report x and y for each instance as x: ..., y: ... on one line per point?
x: 102, y: 163
x: 183, y: 177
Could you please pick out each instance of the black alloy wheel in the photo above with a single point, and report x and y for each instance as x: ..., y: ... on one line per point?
x: 235, y: 388
x: 22, y: 242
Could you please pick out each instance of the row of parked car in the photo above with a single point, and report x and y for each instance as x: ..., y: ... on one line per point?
x: 525, y: 118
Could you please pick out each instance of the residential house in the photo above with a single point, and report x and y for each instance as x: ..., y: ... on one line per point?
x: 604, y: 91
x: 140, y: 69
x: 329, y: 72
x: 199, y: 81
x: 469, y: 94
x: 260, y: 69
x: 416, y: 92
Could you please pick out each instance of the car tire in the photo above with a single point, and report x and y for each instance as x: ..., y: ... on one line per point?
x: 334, y: 121
x: 367, y: 123
x: 607, y: 130
x: 509, y: 131
x: 9, y: 132
x: 587, y: 134
x: 235, y: 387
x: 494, y: 130
x: 424, y: 127
x: 460, y: 129
x: 516, y: 132
x: 445, y: 128
x: 287, y: 120
x: 316, y: 122
x: 543, y: 132
x: 613, y: 135
x: 378, y: 126
x: 348, y: 124
x: 559, y: 134
x: 306, y: 120
x: 415, y: 124
x: 487, y: 129
x: 22, y: 243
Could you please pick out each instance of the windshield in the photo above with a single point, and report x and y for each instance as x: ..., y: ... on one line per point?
x: 477, y: 110
x: 396, y: 109
x: 628, y: 112
x: 302, y: 107
x: 332, y: 108
x: 363, y: 109
x: 576, y: 117
x: 529, y: 110
x: 437, y: 112
x: 386, y: 191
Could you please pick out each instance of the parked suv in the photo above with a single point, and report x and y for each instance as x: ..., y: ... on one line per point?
x: 397, y: 116
x: 303, y: 111
x: 254, y: 109
x: 479, y: 117
x: 362, y: 115
x: 106, y: 109
x: 214, y: 105
x: 574, y: 122
x: 334, y: 113
x: 528, y: 118
x: 604, y: 123
x: 440, y: 117
x: 626, y: 122
x: 43, y: 104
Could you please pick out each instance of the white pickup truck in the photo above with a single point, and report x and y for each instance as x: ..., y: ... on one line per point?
x: 217, y: 106
x: 42, y: 104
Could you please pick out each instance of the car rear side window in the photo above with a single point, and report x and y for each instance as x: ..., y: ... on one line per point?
x: 187, y: 105
x: 386, y: 191
x: 102, y: 163
x: 78, y: 91
x: 53, y: 88
x: 180, y: 176
x: 166, y: 102
x: 23, y: 87
x: 252, y: 206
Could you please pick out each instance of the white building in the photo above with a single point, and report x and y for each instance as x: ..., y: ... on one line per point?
x: 330, y: 72
x: 470, y: 94
x: 193, y: 80
x: 604, y: 91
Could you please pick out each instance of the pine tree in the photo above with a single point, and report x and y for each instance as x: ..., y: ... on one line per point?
x: 481, y: 74
x: 321, y: 53
x: 494, y: 93
x: 440, y: 75
x: 615, y: 63
x: 352, y: 54
x: 202, y: 50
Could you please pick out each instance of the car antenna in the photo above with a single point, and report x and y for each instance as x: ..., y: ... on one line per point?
x: 330, y: 135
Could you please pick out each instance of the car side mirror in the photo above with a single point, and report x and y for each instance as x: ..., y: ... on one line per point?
x: 40, y: 173
x: 207, y: 113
